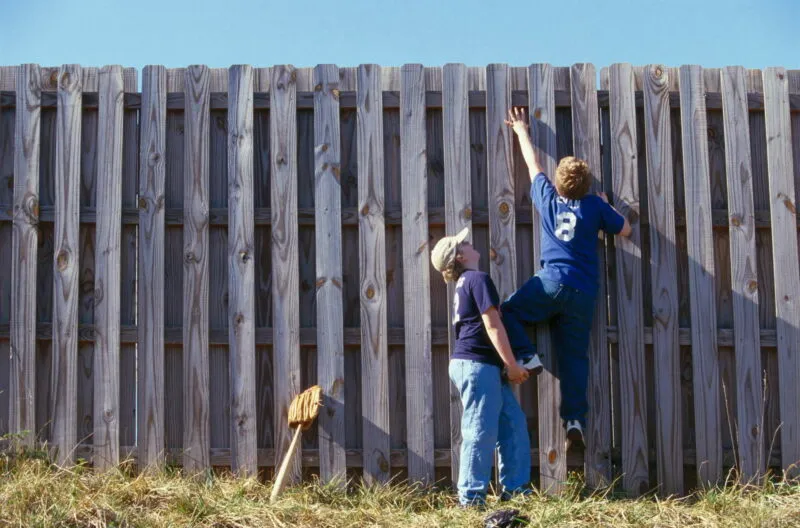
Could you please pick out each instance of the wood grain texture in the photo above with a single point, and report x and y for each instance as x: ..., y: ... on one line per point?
x: 586, y: 141
x: 376, y: 440
x: 150, y: 383
x: 500, y: 170
x: 783, y: 210
x: 65, y: 271
x: 196, y: 421
x: 697, y: 189
x: 24, y: 254
x: 107, y: 300
x: 285, y: 271
x: 328, y: 231
x: 552, y: 436
x: 416, y: 276
x: 458, y: 211
x: 241, y: 271
x: 744, y: 274
x: 629, y: 282
x: 664, y: 281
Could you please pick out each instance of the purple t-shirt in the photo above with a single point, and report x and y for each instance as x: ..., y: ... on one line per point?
x: 475, y: 293
x: 569, y: 234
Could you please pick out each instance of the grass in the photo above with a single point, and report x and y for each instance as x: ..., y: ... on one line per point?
x: 33, y: 493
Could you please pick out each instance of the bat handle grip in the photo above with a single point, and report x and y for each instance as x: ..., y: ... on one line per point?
x: 287, y: 458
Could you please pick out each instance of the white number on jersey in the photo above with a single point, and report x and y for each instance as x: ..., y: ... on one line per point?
x: 565, y: 225
x: 456, y: 317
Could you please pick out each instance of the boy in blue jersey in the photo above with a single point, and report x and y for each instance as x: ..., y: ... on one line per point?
x: 563, y: 291
x: 492, y: 416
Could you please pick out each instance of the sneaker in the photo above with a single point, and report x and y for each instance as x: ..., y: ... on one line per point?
x: 575, y: 435
x: 533, y: 364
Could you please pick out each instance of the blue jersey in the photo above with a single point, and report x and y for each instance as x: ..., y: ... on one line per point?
x: 475, y: 293
x: 569, y: 234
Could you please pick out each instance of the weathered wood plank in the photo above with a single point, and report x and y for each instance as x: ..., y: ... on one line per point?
x: 697, y: 189
x: 552, y: 437
x: 416, y: 276
x: 502, y: 225
x: 664, y: 282
x: 65, y: 273
x: 108, y: 269
x: 629, y: 282
x: 744, y: 275
x: 372, y: 266
x: 241, y: 271
x: 783, y: 209
x: 128, y: 286
x: 328, y: 231
x: 286, y: 308
x: 150, y: 383
x: 458, y: 210
x: 24, y: 254
x: 586, y: 138
x: 196, y: 424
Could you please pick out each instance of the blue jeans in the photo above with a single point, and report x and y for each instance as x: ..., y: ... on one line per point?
x: 570, y: 313
x: 491, y: 418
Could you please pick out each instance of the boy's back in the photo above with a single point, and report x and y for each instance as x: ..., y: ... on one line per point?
x: 569, y: 234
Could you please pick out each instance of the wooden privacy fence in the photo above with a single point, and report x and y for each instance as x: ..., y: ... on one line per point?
x: 178, y: 263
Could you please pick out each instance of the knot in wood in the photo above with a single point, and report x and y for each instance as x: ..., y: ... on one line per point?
x: 537, y: 113
x: 365, y: 210
x: 244, y: 256
x: 324, y: 147
x: 503, y: 207
x: 736, y: 220
x: 62, y: 260
x: 318, y: 87
x: 239, y: 319
x: 54, y: 77
x: 752, y: 286
x: 142, y: 203
x: 658, y: 72
x: 492, y: 254
x: 468, y: 213
x: 190, y: 258
x: 552, y: 455
x: 281, y: 160
x: 754, y: 431
x: 65, y: 79
x: 335, y: 93
x: 370, y: 292
x: 780, y: 75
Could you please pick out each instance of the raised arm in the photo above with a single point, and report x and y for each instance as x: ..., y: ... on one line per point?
x: 519, y: 124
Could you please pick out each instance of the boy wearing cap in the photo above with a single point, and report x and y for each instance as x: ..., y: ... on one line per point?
x: 491, y: 416
x: 563, y: 291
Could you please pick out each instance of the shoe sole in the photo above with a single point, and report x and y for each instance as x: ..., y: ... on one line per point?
x: 536, y: 371
x: 575, y: 439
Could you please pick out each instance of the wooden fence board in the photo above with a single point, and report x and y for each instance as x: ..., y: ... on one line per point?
x: 241, y: 271
x: 552, y: 437
x: 701, y: 275
x: 328, y: 231
x: 285, y: 310
x: 196, y: 424
x: 25, y: 240
x: 500, y: 170
x: 629, y: 282
x: 416, y: 276
x: 108, y: 268
x: 783, y: 209
x: 65, y: 274
x: 586, y: 138
x: 372, y: 265
x: 744, y: 275
x: 458, y: 211
x: 150, y: 383
x: 664, y: 283
x: 129, y: 284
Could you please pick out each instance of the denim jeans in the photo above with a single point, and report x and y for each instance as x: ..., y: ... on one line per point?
x: 491, y: 418
x: 570, y: 313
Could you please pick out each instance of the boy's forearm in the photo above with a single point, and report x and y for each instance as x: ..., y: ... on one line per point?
x: 499, y: 339
x: 528, y: 153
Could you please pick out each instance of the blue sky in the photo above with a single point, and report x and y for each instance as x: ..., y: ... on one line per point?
x: 713, y: 33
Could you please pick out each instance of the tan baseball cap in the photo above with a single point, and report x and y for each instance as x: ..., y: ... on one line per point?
x: 444, y: 252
